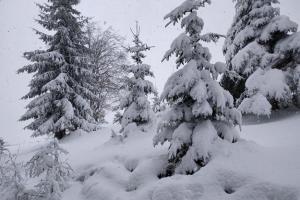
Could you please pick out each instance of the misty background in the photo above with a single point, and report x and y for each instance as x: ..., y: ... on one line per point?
x: 16, y: 37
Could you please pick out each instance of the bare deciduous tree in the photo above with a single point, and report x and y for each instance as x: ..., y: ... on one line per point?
x: 108, y: 59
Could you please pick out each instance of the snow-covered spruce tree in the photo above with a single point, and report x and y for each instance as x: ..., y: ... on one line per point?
x: 53, y: 173
x: 275, y: 85
x: 135, y: 103
x: 250, y: 19
x: 250, y: 50
x: 60, y: 88
x: 201, y: 111
x: 289, y: 50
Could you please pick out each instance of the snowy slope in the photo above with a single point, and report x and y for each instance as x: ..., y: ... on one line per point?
x: 265, y: 165
x: 129, y: 169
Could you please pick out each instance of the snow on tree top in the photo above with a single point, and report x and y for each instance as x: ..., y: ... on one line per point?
x: 139, y: 47
x: 192, y: 23
x: 187, y: 6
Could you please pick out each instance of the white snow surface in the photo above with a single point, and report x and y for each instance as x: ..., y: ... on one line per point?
x: 264, y: 165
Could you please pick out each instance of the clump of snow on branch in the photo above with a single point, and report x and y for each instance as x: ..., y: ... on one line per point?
x: 262, y: 87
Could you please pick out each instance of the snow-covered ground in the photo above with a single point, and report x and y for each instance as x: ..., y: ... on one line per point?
x: 264, y: 165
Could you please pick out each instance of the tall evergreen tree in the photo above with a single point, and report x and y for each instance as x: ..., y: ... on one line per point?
x: 288, y: 49
x: 201, y: 111
x: 60, y: 88
x: 137, y: 108
x: 250, y: 50
x: 250, y: 19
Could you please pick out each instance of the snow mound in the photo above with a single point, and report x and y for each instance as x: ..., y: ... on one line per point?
x: 221, y: 185
x: 129, y: 169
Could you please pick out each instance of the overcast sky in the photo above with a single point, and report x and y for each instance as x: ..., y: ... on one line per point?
x: 16, y: 36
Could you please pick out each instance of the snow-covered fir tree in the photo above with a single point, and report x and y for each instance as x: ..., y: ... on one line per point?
x: 288, y: 50
x: 250, y: 18
x: 135, y: 103
x: 53, y: 173
x: 201, y: 111
x: 251, y: 52
x: 275, y: 85
x: 60, y: 88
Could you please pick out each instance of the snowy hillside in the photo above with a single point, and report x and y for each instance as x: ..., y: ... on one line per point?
x: 110, y: 122
x: 263, y: 165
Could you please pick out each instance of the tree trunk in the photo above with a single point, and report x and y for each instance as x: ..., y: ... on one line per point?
x: 59, y: 135
x: 236, y: 87
x: 298, y: 100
